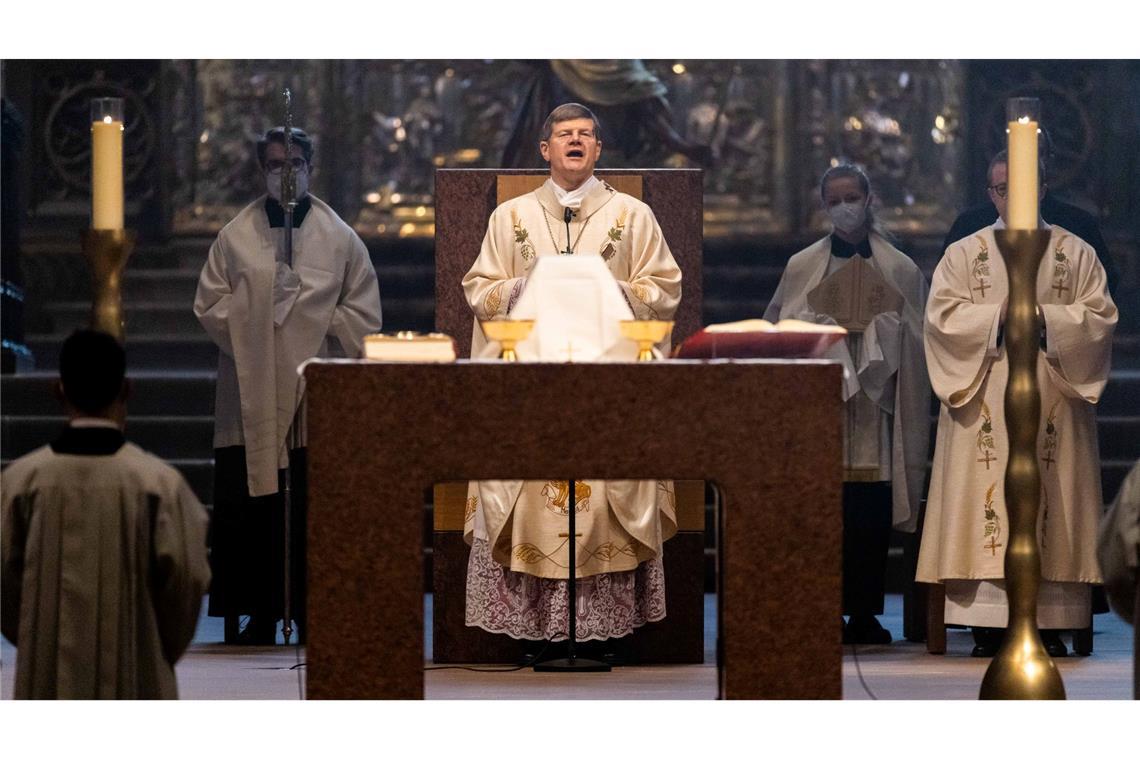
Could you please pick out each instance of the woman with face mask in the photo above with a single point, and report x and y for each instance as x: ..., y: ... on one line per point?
x: 886, y: 392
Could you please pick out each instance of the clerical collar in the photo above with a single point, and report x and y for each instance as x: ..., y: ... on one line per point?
x: 840, y: 248
x: 573, y: 198
x: 93, y: 422
x: 89, y: 441
x: 276, y: 212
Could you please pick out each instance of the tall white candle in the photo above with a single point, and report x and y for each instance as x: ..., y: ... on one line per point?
x: 107, y: 174
x: 1022, y: 115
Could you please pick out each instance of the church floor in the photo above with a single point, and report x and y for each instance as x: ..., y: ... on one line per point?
x: 901, y: 670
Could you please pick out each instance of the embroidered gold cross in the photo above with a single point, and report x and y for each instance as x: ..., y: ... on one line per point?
x: 988, y: 459
x: 993, y: 546
x: 567, y: 535
x: 1048, y: 459
x: 1059, y: 288
x: 982, y: 285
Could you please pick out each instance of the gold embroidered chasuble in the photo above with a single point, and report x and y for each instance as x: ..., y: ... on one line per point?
x: 966, y: 530
x: 621, y: 523
x: 617, y: 227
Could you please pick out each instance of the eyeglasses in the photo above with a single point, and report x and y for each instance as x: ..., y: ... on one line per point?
x: 277, y: 165
x: 1000, y: 190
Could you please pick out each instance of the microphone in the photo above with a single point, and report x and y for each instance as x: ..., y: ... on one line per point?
x: 567, y: 215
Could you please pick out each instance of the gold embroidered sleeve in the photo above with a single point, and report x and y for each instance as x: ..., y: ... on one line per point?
x: 493, y: 300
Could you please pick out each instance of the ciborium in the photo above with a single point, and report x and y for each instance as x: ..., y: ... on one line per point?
x: 508, y: 332
x: 646, y: 333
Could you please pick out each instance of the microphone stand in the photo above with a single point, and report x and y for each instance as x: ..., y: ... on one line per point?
x: 289, y: 203
x: 571, y: 663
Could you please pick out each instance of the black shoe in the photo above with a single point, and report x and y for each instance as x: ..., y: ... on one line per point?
x: 987, y: 641
x: 258, y: 632
x: 865, y: 629
x: 1053, y: 644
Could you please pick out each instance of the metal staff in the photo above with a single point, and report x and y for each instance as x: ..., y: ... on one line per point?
x: 289, y: 203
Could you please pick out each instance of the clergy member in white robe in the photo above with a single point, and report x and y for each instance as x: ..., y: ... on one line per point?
x: 103, y: 549
x: 966, y: 530
x: 885, y: 391
x: 516, y: 578
x: 267, y: 317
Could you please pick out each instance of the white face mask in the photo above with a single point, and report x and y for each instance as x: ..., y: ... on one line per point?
x: 273, y: 183
x: 848, y: 216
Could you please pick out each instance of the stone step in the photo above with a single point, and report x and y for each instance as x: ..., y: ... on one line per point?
x: 175, y: 316
x: 168, y: 317
x: 719, y: 310
x: 166, y: 352
x: 731, y: 281
x: 164, y: 436
x: 152, y: 393
x: 172, y: 284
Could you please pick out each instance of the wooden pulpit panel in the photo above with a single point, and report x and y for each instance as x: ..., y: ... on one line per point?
x: 510, y: 186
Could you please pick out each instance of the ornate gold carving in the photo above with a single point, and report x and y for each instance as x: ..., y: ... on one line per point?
x: 469, y: 508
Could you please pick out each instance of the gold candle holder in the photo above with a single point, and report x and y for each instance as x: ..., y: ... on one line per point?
x: 647, y: 333
x: 107, y: 252
x: 1022, y: 669
x: 508, y: 332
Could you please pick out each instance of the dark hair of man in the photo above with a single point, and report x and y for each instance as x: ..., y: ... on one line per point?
x: 92, y: 365
x: 568, y: 112
x: 277, y: 135
x: 1002, y: 157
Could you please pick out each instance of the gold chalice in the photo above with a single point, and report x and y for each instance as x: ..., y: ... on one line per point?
x: 646, y: 332
x: 507, y: 332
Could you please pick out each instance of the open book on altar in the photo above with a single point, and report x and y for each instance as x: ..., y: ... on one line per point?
x: 760, y: 339
x: 853, y: 294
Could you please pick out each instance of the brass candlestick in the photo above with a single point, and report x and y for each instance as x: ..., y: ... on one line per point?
x: 508, y: 332
x: 107, y: 252
x: 1022, y: 669
x: 646, y: 332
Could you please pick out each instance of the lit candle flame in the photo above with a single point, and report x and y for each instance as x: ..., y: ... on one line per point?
x: 107, y: 119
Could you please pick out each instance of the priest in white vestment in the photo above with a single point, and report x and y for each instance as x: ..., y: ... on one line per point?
x: 103, y: 548
x: 517, y: 571
x: 267, y: 317
x: 885, y: 392
x: 966, y: 530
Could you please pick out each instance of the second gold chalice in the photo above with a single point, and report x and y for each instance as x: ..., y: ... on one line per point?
x: 646, y: 332
x: 508, y: 332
